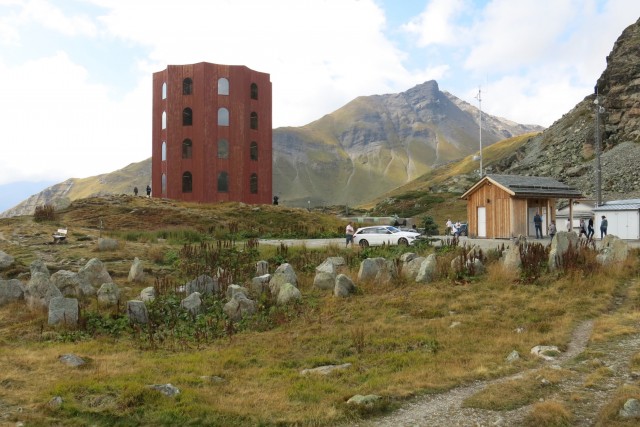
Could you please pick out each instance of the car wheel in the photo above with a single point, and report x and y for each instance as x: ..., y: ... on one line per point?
x: 464, y: 233
x: 364, y: 243
x: 403, y: 241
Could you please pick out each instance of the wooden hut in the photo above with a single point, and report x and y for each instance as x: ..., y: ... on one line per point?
x: 503, y: 206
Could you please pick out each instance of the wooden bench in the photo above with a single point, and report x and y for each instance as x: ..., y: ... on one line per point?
x: 60, y: 235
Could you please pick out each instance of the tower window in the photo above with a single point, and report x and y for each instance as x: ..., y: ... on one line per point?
x: 164, y: 184
x: 187, y: 182
x: 223, y: 182
x: 164, y: 150
x: 187, y: 86
x: 223, y: 86
x: 187, y: 149
x: 254, y: 91
x: 164, y: 90
x: 223, y: 117
x: 253, y: 120
x: 223, y: 149
x: 253, y: 184
x: 164, y: 120
x: 253, y: 150
x: 187, y: 117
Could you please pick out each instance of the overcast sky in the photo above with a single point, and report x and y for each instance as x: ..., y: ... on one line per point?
x: 75, y: 75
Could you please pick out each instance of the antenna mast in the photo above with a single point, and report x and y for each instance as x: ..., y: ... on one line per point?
x: 479, y: 98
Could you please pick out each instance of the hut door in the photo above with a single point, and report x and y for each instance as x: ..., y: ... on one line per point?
x: 482, y: 221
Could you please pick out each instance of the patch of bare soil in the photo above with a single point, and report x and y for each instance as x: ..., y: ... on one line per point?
x: 446, y: 409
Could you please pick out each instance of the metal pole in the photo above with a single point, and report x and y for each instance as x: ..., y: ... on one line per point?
x: 479, y: 97
x: 598, y: 170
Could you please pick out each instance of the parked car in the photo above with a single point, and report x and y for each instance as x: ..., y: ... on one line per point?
x: 463, y: 230
x: 383, y: 235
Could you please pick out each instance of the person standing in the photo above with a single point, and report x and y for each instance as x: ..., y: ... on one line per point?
x: 148, y: 191
x: 349, y: 235
x: 135, y: 191
x: 552, y: 229
x: 590, y: 230
x: 449, y: 227
x: 568, y: 224
x: 603, y: 227
x: 537, y: 222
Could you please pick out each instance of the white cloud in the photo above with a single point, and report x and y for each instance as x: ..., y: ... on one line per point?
x: 436, y: 25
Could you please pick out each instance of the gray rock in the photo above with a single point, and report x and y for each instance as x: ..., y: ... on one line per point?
x: 428, y: 270
x: 513, y: 356
x: 192, y: 303
x: 630, y: 409
x: 38, y: 266
x: 67, y: 282
x: 40, y: 291
x: 260, y: 284
x: 325, y: 370
x: 377, y: 270
x: 5, y: 260
x: 107, y: 244
x: 166, y: 389
x: 63, y: 311
x: 560, y: 245
x: 148, y: 294
x: 239, y: 306
x: 93, y: 273
x: 283, y: 274
x: 234, y: 289
x: 137, y: 312
x: 360, y: 400
x: 612, y: 250
x: 344, y: 286
x: 288, y: 293
x: 262, y: 268
x: 136, y: 272
x: 72, y: 360
x: 325, y: 277
x: 108, y: 294
x: 203, y: 284
x: 11, y: 291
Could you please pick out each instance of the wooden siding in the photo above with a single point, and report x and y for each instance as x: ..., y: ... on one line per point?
x: 204, y: 164
x: 506, y: 216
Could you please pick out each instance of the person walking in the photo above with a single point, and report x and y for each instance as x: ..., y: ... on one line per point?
x: 349, y: 235
x: 583, y: 229
x: 148, y: 191
x: 135, y: 191
x: 590, y: 230
x: 603, y: 227
x: 552, y: 229
x: 537, y: 222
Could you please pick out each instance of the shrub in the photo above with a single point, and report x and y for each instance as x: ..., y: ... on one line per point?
x: 549, y: 414
x: 44, y: 213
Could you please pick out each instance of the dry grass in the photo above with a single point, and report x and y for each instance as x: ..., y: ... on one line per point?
x: 398, y: 337
x: 549, y: 414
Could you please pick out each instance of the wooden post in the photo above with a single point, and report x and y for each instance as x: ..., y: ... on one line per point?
x: 570, y: 214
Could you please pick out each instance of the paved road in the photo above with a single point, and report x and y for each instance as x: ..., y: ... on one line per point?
x: 339, y: 242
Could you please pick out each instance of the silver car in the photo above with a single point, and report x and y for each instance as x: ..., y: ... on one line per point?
x: 383, y: 235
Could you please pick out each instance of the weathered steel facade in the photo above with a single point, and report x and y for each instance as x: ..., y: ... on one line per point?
x: 503, y: 206
x: 212, y: 134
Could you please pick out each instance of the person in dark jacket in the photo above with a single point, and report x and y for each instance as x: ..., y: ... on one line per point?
x: 603, y: 227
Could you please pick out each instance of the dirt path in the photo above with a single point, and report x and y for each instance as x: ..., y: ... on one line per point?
x: 575, y: 391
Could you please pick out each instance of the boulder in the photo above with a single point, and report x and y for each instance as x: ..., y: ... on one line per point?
x: 612, y: 250
x: 234, y: 289
x: 136, y: 272
x: 283, y: 274
x: 560, y: 245
x: 288, y: 293
x: 10, y: 291
x: 411, y: 268
x: 344, y: 286
x: 325, y: 277
x: 94, y: 273
x: 260, y: 284
x: 63, y: 311
x: 428, y: 270
x: 5, y: 260
x: 203, y: 284
x: 40, y: 291
x: 67, y: 282
x: 137, y: 312
x: 192, y: 303
x: 630, y: 409
x: 38, y: 266
x: 378, y: 270
x: 239, y: 306
x: 262, y: 268
x: 148, y: 294
x: 108, y: 294
x: 107, y: 244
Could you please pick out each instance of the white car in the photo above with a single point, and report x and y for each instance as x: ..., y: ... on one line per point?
x: 383, y: 235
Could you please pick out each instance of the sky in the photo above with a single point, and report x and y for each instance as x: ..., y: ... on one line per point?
x: 76, y: 75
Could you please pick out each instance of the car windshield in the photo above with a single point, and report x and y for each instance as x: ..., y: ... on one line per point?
x: 392, y: 229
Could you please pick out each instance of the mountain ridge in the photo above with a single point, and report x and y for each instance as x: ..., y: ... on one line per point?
x: 367, y: 147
